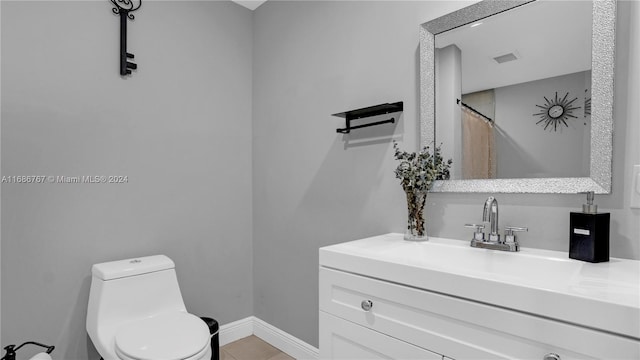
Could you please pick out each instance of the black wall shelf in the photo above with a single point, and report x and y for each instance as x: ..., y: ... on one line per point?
x: 368, y: 112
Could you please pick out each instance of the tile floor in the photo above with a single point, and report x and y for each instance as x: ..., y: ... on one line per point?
x: 251, y: 348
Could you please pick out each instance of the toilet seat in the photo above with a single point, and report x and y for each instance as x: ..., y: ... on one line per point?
x: 167, y: 336
x: 202, y: 355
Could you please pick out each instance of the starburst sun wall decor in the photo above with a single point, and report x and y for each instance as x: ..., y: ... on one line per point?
x: 556, y: 112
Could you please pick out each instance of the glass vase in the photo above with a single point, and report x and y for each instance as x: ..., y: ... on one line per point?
x: 416, y: 229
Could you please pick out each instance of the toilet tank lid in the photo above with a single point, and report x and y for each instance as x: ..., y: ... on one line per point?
x: 131, y: 267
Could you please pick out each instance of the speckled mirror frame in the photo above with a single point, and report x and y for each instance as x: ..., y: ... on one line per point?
x: 602, y: 59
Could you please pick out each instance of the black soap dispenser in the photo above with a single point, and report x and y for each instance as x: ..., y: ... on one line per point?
x: 589, y: 233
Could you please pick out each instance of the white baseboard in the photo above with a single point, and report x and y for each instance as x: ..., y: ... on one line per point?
x: 236, y: 330
x: 286, y: 342
x: 251, y: 325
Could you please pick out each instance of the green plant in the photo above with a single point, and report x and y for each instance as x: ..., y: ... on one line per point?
x: 417, y: 172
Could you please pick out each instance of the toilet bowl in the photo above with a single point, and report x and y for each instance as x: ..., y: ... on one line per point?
x: 136, y: 312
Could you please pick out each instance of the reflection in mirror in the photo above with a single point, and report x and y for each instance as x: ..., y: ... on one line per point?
x: 511, y: 92
x: 520, y: 95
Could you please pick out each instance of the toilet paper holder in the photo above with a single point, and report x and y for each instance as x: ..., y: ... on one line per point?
x: 11, y: 349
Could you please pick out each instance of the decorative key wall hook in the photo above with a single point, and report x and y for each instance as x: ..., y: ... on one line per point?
x: 124, y: 8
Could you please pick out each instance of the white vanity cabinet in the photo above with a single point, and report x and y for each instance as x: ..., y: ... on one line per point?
x: 379, y: 302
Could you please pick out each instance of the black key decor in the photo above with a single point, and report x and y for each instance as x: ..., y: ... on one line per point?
x: 124, y: 8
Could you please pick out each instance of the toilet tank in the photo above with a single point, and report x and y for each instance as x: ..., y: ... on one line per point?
x: 131, y: 289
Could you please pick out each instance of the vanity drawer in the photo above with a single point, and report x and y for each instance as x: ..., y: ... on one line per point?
x: 347, y: 340
x: 459, y: 328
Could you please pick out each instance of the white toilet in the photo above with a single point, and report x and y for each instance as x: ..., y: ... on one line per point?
x: 136, y: 312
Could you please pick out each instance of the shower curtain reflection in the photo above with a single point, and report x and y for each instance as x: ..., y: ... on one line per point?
x: 478, y: 147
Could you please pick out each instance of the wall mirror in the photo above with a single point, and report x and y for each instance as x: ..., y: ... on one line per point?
x: 520, y: 95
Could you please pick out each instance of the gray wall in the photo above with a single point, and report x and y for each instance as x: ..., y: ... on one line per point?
x: 311, y: 189
x: 179, y: 128
x: 312, y: 186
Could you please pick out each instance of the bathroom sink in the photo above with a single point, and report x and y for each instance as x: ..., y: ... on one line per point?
x: 541, y: 282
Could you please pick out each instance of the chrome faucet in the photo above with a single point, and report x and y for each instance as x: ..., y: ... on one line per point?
x: 490, y: 215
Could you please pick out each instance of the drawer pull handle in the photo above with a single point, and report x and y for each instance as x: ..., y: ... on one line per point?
x: 366, y: 305
x: 551, y: 356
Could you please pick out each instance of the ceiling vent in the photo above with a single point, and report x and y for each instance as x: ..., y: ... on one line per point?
x: 505, y: 58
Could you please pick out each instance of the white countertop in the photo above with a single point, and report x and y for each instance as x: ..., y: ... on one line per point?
x: 604, y: 296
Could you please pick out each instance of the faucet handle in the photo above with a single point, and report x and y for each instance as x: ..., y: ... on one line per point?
x: 478, y: 231
x: 509, y: 232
